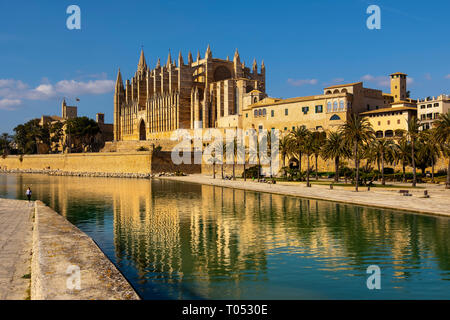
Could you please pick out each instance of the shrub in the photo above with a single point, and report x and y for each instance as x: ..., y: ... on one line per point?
x: 141, y: 148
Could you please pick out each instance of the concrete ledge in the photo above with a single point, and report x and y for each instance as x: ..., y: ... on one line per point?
x: 57, y: 245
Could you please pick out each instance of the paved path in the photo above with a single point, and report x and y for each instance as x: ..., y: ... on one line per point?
x: 437, y: 204
x: 15, y: 248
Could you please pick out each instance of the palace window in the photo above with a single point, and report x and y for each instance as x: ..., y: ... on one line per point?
x: 272, y: 113
x: 286, y: 112
x: 246, y: 115
x: 335, y: 117
x: 341, y: 104
x: 256, y: 113
x: 398, y: 121
x: 264, y: 112
x: 305, y: 110
x: 335, y: 106
x: 329, y: 106
x: 319, y: 109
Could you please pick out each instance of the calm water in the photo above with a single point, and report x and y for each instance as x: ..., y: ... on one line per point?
x: 185, y: 241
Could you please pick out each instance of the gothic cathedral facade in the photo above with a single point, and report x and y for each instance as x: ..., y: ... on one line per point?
x: 205, y: 93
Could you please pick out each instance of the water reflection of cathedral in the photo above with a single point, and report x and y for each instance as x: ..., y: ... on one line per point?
x: 175, y: 231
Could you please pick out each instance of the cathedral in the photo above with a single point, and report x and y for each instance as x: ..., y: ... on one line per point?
x: 203, y: 93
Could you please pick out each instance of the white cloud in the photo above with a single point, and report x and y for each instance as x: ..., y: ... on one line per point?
x: 301, y: 82
x: 12, y: 90
x: 447, y: 76
x: 8, y: 104
x: 428, y: 76
x: 381, y: 81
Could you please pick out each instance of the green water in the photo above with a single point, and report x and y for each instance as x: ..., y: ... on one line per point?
x: 177, y: 240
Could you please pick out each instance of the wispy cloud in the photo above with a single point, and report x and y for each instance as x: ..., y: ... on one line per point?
x: 382, y: 81
x: 12, y: 91
x: 447, y: 76
x: 301, y: 82
x: 9, y: 104
x: 428, y: 76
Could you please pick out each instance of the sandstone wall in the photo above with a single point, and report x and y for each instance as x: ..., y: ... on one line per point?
x: 139, y: 162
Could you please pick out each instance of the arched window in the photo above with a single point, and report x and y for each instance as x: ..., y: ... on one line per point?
x: 341, y: 105
x: 255, y: 113
x: 379, y: 134
x: 335, y: 106
x: 335, y: 117
x: 328, y: 92
x: 336, y: 91
x: 255, y: 99
x: 329, y: 106
x: 264, y: 112
x: 389, y: 134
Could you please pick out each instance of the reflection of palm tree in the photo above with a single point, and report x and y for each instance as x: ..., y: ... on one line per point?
x: 412, y: 134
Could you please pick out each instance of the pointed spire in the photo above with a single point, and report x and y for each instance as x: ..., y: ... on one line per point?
x: 158, y: 63
x: 208, y: 54
x: 236, y: 56
x: 169, y: 60
x: 263, y: 67
x: 190, y: 60
x: 254, y: 66
x: 180, y: 59
x: 119, y: 81
x: 142, y: 64
x: 198, y: 55
x: 228, y: 58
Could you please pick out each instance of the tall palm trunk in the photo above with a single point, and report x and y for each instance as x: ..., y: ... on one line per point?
x: 383, y: 182
x: 336, y: 169
x: 447, y: 185
x: 300, y: 162
x: 222, y: 169
x: 245, y: 174
x: 214, y: 169
x: 317, y: 173
x: 356, y: 166
x: 432, y: 170
x: 404, y: 171
x: 234, y: 170
x: 307, y: 172
x: 413, y: 164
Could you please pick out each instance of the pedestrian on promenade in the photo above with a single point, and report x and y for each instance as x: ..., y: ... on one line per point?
x: 28, y: 194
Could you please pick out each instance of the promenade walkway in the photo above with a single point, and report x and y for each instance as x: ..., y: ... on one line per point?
x: 437, y: 204
x: 15, y: 248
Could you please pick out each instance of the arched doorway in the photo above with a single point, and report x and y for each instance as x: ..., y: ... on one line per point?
x: 142, y: 133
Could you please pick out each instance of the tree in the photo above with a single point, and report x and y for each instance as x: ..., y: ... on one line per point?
x: 285, y: 149
x: 429, y: 150
x: 358, y: 132
x: 385, y: 149
x: 402, y: 153
x: 318, y: 140
x: 297, y: 137
x: 5, y: 141
x: 307, y: 147
x: 442, y: 126
x: 335, y: 147
x: 412, y: 134
x: 82, y: 132
x: 27, y: 136
x: 56, y: 135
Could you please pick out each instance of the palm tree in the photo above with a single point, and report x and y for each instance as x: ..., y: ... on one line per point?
x: 402, y: 153
x: 384, y: 148
x: 297, y: 136
x: 358, y: 131
x: 318, y: 139
x: 308, y: 147
x: 412, y: 134
x: 442, y: 126
x: 335, y: 147
x: 430, y: 148
x: 285, y: 149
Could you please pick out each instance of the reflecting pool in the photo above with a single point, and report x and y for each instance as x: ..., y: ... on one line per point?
x: 175, y: 240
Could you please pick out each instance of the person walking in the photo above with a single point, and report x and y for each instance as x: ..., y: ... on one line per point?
x: 29, y: 194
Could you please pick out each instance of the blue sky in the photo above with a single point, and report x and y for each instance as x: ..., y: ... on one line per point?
x: 306, y: 45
